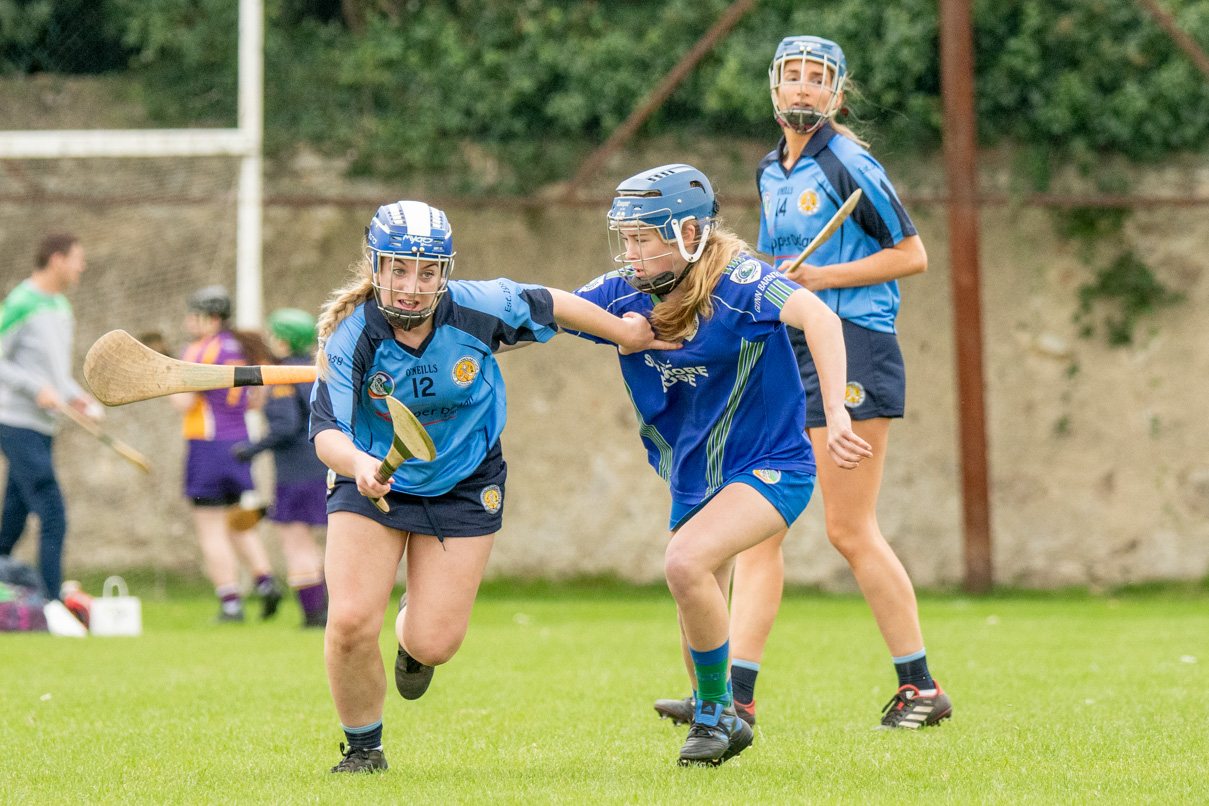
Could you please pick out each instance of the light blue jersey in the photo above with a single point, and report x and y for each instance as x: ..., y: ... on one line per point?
x: 795, y: 205
x: 730, y: 401
x: 451, y: 383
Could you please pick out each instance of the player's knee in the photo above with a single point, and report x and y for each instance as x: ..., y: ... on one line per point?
x: 851, y: 536
x: 433, y: 649
x: 682, y: 568
x: 348, y: 631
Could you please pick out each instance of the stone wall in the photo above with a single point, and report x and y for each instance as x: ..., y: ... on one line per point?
x: 1099, y: 473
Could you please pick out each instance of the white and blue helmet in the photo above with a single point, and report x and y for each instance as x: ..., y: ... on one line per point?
x: 664, y: 199
x: 801, y: 49
x: 414, y: 231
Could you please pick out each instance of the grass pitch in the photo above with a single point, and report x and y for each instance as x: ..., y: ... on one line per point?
x: 1060, y: 699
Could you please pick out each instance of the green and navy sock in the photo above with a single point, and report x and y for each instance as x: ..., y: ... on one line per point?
x: 365, y: 738
x: 913, y: 671
x: 713, y: 683
x: 743, y: 677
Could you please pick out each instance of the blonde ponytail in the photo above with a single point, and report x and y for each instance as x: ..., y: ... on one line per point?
x: 676, y: 321
x: 344, y: 301
x: 850, y: 89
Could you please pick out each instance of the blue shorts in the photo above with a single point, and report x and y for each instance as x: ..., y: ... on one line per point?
x: 787, y: 490
x: 877, y: 379
x: 474, y: 507
x: 213, y: 477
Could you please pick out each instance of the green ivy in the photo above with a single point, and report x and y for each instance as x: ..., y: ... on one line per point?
x: 506, y: 95
x: 1130, y: 289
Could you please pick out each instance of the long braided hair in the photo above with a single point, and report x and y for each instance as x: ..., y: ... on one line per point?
x: 343, y: 301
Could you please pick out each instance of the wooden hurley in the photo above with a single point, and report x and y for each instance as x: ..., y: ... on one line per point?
x: 411, y: 442
x: 120, y: 370
x: 836, y: 221
x: 117, y: 446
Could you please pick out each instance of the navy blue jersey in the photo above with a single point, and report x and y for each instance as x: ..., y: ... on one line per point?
x: 729, y: 401
x: 796, y: 204
x: 288, y: 411
x: 451, y: 383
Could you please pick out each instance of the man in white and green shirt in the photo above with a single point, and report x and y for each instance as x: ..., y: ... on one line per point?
x: 36, y: 329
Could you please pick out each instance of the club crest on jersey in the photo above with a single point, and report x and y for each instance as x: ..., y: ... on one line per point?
x: 465, y: 371
x: 767, y: 203
x: 854, y: 395
x: 491, y: 498
x: 808, y: 202
x: 597, y: 283
x: 381, y: 385
x: 747, y: 272
x: 767, y: 476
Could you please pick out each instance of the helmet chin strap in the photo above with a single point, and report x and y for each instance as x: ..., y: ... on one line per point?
x: 404, y: 320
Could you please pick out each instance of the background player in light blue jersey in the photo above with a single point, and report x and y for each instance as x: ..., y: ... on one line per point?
x: 402, y: 328
x: 722, y: 418
x: 816, y: 166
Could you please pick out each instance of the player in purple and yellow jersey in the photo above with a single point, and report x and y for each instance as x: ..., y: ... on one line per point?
x: 214, y: 479
x: 722, y: 418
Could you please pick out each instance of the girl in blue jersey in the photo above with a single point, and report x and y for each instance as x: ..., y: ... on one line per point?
x: 721, y: 418
x: 401, y: 328
x: 816, y: 166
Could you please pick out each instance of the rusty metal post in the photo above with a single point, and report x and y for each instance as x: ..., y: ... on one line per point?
x: 655, y: 98
x: 1185, y: 42
x: 961, y: 174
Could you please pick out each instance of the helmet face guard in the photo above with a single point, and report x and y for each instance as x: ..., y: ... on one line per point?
x: 803, y: 52
x: 654, y: 207
x: 402, y: 239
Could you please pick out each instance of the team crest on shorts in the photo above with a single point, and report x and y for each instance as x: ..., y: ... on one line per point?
x: 331, y: 479
x: 747, y: 272
x: 808, y: 202
x: 381, y: 385
x: 854, y: 395
x: 767, y: 476
x: 465, y: 371
x: 491, y: 498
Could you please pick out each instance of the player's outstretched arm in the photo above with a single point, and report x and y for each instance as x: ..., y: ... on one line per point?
x: 825, y: 337
x: 631, y: 333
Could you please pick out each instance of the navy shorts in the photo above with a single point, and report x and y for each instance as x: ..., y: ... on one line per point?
x: 300, y: 502
x: 877, y: 379
x: 474, y: 507
x: 213, y: 477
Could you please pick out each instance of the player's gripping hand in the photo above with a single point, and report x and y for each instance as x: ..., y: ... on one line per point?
x: 638, y: 336
x: 846, y: 448
x: 365, y: 472
x: 807, y: 276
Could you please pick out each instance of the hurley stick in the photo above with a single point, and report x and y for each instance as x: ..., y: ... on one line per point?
x: 411, y: 442
x: 117, y: 446
x: 836, y: 220
x: 122, y: 370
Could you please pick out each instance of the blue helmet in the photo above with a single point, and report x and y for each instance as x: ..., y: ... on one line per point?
x: 801, y: 119
x: 665, y: 199
x: 410, y: 230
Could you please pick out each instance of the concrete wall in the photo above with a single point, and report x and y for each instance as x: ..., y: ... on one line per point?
x: 1098, y: 461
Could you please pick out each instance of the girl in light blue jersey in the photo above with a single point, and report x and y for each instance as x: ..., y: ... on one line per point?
x: 401, y: 328
x: 722, y: 418
x: 816, y: 166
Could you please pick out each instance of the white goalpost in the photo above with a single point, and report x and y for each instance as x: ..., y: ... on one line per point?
x: 244, y: 142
